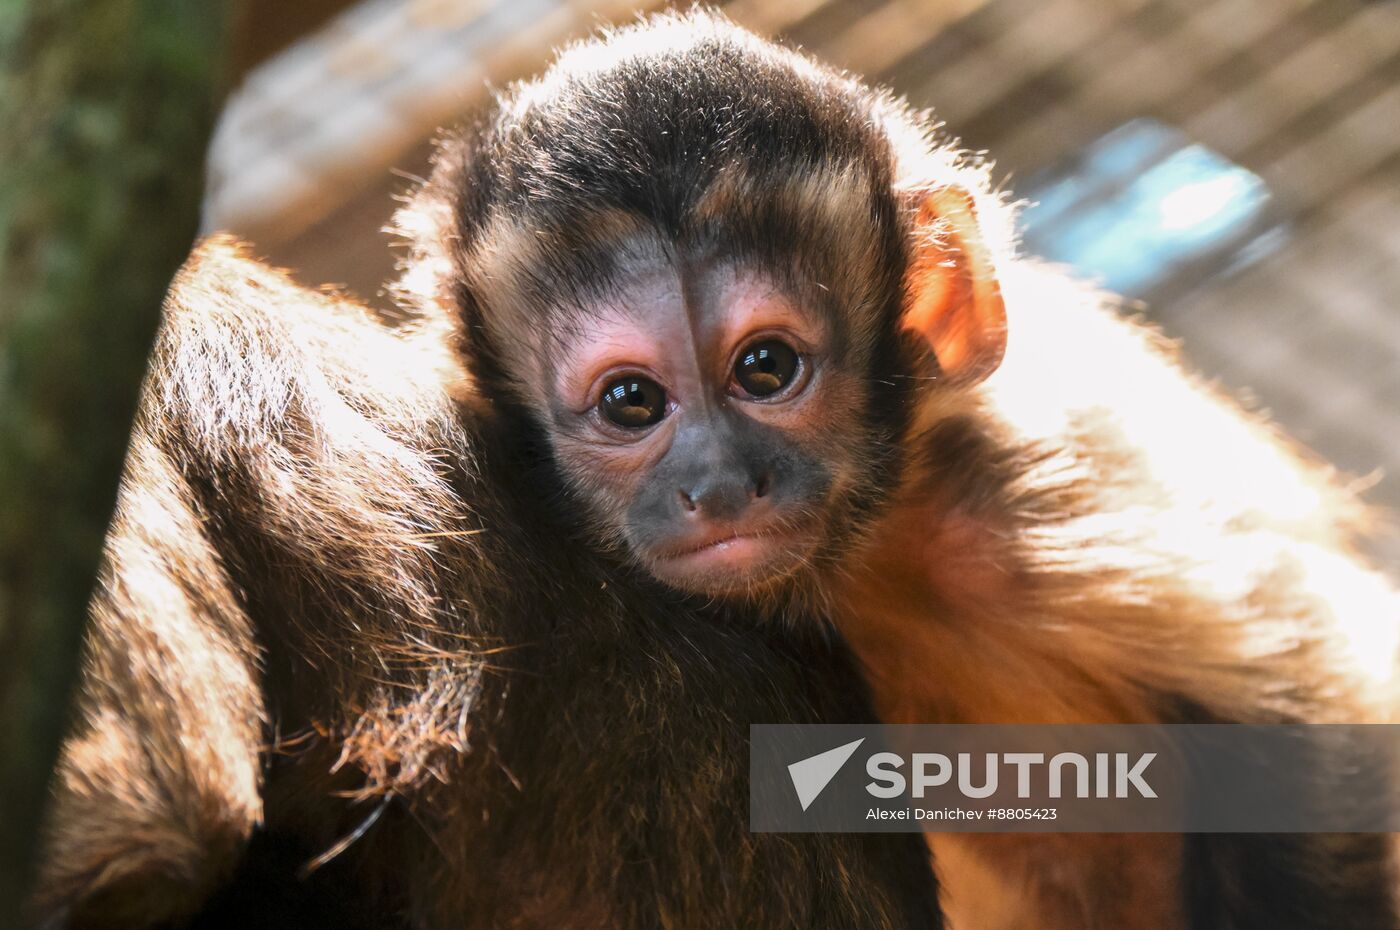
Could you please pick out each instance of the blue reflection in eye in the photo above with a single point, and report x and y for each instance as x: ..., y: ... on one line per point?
x: 1141, y: 204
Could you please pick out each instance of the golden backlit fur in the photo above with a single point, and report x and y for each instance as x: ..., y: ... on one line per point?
x: 1092, y: 535
x: 160, y: 782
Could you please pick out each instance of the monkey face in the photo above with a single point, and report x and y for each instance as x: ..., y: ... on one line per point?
x: 711, y: 423
x: 729, y: 423
x: 600, y: 236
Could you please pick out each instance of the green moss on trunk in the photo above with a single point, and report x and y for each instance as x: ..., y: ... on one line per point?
x: 105, y: 109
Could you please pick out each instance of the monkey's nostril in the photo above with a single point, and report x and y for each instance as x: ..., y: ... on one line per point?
x: 760, y: 487
x: 687, y: 501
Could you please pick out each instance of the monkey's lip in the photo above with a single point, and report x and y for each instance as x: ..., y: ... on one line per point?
x: 722, y: 557
x: 718, y: 542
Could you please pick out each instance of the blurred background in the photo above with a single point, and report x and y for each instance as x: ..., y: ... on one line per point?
x: 1232, y: 164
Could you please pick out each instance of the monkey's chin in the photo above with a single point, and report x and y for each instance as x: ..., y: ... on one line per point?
x: 732, y: 566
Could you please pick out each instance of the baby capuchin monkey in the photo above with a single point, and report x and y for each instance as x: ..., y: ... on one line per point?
x: 709, y: 344
x: 801, y: 364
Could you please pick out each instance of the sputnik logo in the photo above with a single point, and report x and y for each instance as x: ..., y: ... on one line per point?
x: 811, y: 775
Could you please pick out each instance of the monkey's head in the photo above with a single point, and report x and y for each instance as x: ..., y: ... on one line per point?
x: 708, y: 272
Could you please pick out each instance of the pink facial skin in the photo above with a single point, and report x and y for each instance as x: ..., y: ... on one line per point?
x: 686, y: 344
x: 684, y: 331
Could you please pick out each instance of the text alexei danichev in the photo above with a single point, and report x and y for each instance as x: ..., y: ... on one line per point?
x: 960, y: 813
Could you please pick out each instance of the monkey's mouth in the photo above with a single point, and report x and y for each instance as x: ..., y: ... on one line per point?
x: 723, y: 546
x: 735, y: 557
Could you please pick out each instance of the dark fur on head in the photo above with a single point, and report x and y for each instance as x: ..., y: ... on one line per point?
x: 688, y: 136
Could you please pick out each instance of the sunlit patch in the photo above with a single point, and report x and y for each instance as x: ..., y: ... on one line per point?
x: 1193, y: 446
x: 1144, y: 203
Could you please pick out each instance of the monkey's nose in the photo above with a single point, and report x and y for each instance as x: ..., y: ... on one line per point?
x: 725, y: 498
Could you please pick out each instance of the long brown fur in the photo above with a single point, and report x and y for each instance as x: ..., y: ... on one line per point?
x: 160, y: 783
x: 348, y: 668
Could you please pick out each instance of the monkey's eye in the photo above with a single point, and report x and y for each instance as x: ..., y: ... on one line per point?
x: 766, y: 367
x: 633, y: 402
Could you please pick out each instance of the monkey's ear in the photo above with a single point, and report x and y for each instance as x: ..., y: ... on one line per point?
x: 952, y: 293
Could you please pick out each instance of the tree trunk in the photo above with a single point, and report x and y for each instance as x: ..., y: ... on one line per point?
x: 105, y: 112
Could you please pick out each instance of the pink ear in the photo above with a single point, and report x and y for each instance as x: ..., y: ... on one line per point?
x: 954, y: 299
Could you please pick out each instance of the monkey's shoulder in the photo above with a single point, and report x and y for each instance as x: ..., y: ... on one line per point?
x: 248, y: 361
